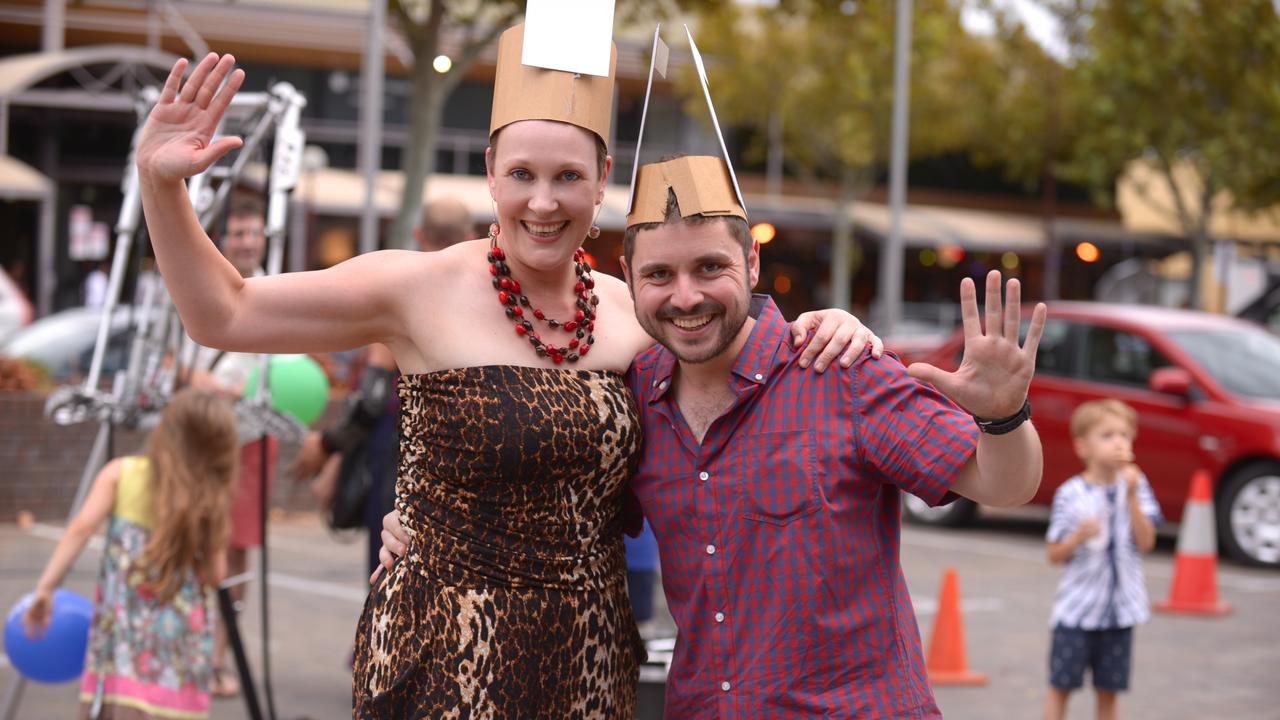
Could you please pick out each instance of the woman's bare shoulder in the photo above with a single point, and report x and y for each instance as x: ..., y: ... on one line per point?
x: 419, y: 269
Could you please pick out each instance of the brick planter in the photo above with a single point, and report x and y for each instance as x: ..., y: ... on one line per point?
x: 41, y: 462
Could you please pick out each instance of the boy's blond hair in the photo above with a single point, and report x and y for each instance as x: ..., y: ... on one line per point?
x: 1092, y: 412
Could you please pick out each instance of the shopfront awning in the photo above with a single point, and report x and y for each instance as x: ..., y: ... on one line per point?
x: 20, y: 72
x: 336, y: 191
x: 20, y: 181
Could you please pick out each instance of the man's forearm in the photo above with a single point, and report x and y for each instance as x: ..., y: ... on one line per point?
x: 1009, y: 468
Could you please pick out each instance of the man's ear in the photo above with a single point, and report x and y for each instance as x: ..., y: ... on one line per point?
x: 753, y: 263
x: 626, y: 275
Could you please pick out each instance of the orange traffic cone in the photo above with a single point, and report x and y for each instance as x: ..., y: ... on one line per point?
x: 1195, y: 571
x: 946, y: 657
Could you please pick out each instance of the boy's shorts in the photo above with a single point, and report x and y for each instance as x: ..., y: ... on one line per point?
x: 1106, y: 653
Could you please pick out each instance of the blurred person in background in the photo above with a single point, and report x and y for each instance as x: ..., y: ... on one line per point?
x: 94, y: 289
x: 150, y: 642
x: 1102, y: 521
x: 642, y: 575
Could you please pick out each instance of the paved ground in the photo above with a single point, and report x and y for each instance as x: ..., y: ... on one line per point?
x: 1185, y: 667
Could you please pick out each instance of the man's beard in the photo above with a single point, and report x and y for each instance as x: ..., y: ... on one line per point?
x: 730, y: 325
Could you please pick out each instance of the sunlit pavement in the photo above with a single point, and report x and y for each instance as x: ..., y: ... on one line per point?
x: 1185, y: 667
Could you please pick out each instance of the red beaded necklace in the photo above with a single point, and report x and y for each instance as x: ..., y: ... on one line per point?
x: 513, y: 301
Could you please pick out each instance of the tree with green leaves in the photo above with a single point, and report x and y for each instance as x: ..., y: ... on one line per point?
x: 823, y: 72
x: 1179, y: 83
x: 1023, y: 108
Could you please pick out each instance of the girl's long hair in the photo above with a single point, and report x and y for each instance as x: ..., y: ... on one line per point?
x: 194, y: 456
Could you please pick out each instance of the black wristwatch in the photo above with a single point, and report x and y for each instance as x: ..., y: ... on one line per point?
x: 1005, y: 425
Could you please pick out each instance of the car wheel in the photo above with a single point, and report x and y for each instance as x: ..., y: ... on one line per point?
x: 1249, y: 515
x: 960, y: 512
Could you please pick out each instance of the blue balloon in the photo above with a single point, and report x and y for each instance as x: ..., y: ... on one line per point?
x: 57, y: 656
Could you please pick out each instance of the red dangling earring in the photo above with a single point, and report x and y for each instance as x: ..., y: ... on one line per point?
x: 494, y: 230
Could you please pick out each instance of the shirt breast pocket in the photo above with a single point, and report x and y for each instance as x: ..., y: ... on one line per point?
x: 780, y: 478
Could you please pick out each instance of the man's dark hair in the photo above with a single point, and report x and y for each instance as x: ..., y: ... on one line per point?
x: 737, y: 226
x: 246, y: 205
x: 240, y: 205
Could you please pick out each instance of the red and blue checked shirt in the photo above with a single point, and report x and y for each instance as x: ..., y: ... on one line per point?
x: 778, y: 535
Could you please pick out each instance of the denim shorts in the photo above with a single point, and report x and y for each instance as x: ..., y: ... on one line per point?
x: 1106, y: 653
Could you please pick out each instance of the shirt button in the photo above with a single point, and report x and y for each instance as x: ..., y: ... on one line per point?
x: 662, y: 385
x: 704, y: 476
x: 725, y: 686
x: 655, y: 383
x: 759, y: 376
x: 711, y: 549
x: 719, y: 617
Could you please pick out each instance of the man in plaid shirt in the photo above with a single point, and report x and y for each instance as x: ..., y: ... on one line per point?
x: 774, y: 492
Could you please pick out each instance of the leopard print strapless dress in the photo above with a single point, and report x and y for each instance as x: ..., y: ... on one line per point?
x: 511, y: 600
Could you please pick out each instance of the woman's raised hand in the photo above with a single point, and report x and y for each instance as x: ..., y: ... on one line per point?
x: 177, y: 139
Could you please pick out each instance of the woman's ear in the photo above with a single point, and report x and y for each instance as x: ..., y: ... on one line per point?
x: 489, y: 170
x: 604, y: 178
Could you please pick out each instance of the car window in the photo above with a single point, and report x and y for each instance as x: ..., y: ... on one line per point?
x: 1246, y: 361
x: 1122, y: 358
x: 1054, y: 354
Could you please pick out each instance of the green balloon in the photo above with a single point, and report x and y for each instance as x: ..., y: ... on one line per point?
x: 298, y: 386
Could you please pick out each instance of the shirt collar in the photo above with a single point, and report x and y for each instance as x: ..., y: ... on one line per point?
x: 757, y: 359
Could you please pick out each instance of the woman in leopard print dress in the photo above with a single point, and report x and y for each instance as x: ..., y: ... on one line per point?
x: 512, y: 601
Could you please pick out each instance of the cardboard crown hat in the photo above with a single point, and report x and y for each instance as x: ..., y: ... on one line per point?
x: 702, y: 184
x: 530, y: 87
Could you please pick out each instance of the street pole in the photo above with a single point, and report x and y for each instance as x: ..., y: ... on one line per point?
x: 369, y: 150
x: 891, y: 252
x: 55, y: 23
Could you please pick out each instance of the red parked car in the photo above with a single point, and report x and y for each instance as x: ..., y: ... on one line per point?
x: 1207, y: 391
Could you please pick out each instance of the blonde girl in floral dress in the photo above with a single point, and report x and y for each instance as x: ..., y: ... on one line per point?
x: 151, y: 642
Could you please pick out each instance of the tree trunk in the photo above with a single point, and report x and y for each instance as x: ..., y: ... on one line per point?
x: 1198, y: 232
x: 842, y: 243
x: 425, y: 111
x: 1196, y: 226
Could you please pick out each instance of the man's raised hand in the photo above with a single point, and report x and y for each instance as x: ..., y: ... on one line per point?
x: 993, y: 377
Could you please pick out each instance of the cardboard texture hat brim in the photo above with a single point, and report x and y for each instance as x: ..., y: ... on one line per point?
x: 523, y: 92
x: 701, y: 183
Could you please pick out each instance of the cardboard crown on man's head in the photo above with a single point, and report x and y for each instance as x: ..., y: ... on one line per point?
x: 529, y: 92
x: 702, y: 184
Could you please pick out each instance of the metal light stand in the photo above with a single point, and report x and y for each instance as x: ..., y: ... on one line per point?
x: 141, y: 391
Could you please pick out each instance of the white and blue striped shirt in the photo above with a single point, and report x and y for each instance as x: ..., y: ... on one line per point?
x: 1102, y: 586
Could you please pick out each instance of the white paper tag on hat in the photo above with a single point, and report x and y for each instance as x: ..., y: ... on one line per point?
x: 571, y: 35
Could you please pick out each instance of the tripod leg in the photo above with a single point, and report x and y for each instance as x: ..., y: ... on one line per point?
x: 226, y: 607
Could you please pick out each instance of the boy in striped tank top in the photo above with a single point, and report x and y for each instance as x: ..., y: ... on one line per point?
x: 1102, y: 521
